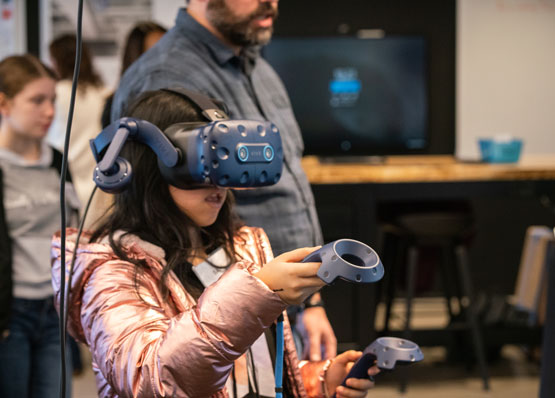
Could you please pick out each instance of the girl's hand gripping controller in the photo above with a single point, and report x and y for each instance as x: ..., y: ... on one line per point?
x: 386, y: 352
x: 347, y: 259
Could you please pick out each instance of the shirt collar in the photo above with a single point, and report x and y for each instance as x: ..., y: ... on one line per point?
x: 222, y: 52
x: 44, y: 161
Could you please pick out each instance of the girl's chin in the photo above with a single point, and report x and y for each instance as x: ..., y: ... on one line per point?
x: 207, y: 223
x: 207, y: 220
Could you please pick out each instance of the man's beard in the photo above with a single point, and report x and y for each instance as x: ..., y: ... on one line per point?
x: 239, y: 30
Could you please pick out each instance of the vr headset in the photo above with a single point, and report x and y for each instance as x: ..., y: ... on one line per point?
x: 222, y: 152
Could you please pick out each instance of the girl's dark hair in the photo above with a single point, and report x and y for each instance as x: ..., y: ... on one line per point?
x: 62, y: 51
x: 146, y: 209
x: 135, y: 43
x: 19, y: 70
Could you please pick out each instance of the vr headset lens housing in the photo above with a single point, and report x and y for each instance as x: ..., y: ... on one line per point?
x: 230, y: 153
x: 227, y: 153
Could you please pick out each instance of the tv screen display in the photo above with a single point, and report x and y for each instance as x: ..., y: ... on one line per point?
x: 355, y: 96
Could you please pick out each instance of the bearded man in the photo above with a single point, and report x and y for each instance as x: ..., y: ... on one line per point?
x: 214, y: 48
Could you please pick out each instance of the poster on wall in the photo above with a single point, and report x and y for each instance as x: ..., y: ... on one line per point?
x: 7, y: 28
x: 12, y: 25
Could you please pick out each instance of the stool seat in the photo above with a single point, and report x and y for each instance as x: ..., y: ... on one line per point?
x: 440, y: 224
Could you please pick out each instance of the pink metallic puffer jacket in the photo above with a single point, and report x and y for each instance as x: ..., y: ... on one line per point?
x: 174, y: 347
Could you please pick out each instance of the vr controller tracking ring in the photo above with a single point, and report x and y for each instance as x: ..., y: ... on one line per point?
x: 347, y: 259
x: 392, y: 350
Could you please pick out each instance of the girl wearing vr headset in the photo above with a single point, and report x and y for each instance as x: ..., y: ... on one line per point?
x: 150, y: 297
x: 29, y: 215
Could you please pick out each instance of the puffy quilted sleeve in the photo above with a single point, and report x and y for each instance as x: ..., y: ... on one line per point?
x: 143, y: 352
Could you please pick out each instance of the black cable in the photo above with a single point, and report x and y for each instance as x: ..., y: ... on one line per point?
x: 63, y: 200
x: 251, y: 357
x: 234, y: 381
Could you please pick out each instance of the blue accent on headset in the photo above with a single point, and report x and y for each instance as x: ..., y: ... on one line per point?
x: 268, y: 153
x: 242, y: 153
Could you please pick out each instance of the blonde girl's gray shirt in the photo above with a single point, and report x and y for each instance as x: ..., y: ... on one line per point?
x: 31, y: 203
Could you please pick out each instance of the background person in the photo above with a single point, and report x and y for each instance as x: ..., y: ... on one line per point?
x: 89, y: 102
x: 140, y: 38
x: 30, y: 213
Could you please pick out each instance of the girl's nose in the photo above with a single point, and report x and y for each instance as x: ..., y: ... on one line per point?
x: 49, y: 108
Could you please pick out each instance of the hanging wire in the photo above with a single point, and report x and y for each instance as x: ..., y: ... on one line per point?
x: 63, y: 173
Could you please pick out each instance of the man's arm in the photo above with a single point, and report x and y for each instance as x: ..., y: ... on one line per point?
x: 319, y: 330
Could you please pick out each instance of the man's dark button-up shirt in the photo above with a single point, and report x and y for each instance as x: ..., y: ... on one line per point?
x: 192, y: 57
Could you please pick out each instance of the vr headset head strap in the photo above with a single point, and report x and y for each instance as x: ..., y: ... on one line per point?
x: 115, y: 135
x: 209, y: 109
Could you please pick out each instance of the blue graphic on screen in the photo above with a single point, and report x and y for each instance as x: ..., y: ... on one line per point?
x: 344, y: 87
x: 356, y: 96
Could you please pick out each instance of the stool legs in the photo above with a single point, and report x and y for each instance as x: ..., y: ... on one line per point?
x: 472, y: 319
x: 397, y: 263
x: 411, y: 287
x: 447, y: 254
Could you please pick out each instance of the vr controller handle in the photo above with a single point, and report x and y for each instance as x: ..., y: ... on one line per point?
x: 315, y: 256
x: 360, y: 368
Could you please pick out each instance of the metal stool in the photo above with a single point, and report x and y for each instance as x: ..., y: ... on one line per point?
x: 445, y: 231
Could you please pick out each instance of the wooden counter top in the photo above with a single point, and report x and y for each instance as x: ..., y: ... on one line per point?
x: 399, y: 169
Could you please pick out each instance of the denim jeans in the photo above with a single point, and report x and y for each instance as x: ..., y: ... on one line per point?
x: 30, y: 364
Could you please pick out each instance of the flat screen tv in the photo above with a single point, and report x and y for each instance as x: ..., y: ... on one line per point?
x: 355, y: 96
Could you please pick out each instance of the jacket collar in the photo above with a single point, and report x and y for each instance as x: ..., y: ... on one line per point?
x: 133, y: 242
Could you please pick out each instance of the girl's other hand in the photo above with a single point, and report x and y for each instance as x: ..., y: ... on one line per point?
x: 292, y: 280
x: 338, y: 370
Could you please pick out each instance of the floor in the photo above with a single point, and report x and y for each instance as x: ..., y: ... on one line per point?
x: 512, y: 376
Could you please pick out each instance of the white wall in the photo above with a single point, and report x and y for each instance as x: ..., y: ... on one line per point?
x: 506, y: 73
x: 165, y: 11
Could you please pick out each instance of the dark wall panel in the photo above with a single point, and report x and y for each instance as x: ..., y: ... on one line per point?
x: 33, y: 27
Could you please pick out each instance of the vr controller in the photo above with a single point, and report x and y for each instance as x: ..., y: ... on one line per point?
x: 347, y: 259
x: 386, y: 352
